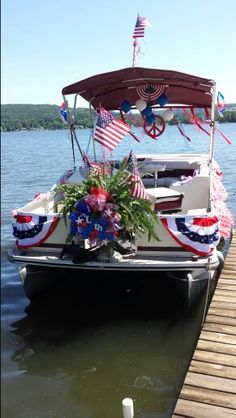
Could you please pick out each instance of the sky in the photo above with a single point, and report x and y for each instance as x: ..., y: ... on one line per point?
x: 48, y: 44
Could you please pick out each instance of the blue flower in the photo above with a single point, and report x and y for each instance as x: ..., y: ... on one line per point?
x: 73, y: 216
x: 82, y: 207
x: 86, y: 231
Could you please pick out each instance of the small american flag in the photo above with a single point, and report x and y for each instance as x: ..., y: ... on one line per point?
x: 96, y: 169
x: 109, y: 130
x: 140, y: 26
x: 138, y: 189
x: 63, y: 112
x: 220, y: 103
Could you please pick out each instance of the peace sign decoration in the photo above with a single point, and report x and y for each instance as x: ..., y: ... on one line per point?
x: 156, y: 128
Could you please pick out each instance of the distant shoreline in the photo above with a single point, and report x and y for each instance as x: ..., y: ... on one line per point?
x: 64, y: 128
x: 26, y: 117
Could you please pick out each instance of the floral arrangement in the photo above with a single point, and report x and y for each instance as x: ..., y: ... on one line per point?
x: 102, y: 208
x: 95, y: 217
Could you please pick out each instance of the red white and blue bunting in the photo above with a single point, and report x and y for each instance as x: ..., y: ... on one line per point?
x: 32, y: 230
x: 199, y: 235
x: 219, y: 196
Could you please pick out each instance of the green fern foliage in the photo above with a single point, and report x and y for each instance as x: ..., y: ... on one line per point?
x: 136, y: 214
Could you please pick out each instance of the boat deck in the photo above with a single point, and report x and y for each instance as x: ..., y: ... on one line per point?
x: 209, y: 389
x: 42, y: 257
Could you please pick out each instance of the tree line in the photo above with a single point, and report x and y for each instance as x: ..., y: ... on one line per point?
x: 16, y: 117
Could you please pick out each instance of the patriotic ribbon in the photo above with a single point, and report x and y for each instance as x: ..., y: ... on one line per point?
x: 198, y: 122
x: 32, y: 230
x: 218, y: 197
x: 181, y: 130
x: 199, y: 235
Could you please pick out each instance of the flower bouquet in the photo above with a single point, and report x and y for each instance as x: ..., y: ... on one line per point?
x: 102, y: 209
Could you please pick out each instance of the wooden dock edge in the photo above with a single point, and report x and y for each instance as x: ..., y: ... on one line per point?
x: 209, y: 388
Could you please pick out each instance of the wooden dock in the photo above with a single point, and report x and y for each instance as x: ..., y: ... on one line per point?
x: 209, y: 389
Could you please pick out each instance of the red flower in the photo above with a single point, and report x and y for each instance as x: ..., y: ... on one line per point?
x: 93, y: 235
x: 99, y: 192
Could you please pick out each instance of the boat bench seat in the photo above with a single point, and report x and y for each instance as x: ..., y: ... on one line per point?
x: 167, y: 178
x: 165, y: 199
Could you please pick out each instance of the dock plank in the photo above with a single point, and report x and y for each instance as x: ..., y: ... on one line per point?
x: 227, y: 292
x: 224, y: 298
x: 226, y: 279
x: 229, y: 282
x: 193, y: 409
x: 210, y: 382
x: 216, y: 347
x: 213, y: 357
x: 217, y: 319
x: 228, y: 274
x: 212, y: 369
x: 209, y: 396
x: 218, y: 337
x: 230, y: 266
x: 222, y: 328
x: 227, y: 286
x: 231, y: 258
x: 222, y: 312
x: 223, y: 304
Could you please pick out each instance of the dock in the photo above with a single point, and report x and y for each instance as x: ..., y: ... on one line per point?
x: 209, y: 388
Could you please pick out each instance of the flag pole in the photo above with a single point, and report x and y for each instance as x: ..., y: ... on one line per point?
x: 131, y: 133
x: 135, y: 44
x: 140, y: 25
x: 72, y: 130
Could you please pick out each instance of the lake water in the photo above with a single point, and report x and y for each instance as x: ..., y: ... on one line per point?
x: 81, y: 347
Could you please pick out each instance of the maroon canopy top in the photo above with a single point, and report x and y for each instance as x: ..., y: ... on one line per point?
x: 110, y: 89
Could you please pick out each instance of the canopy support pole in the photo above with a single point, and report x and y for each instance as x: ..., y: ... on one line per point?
x: 73, y: 148
x: 91, y: 116
x: 212, y: 124
x: 72, y: 129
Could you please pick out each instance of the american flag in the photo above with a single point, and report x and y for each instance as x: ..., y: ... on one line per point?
x: 138, y: 189
x: 96, y: 169
x: 63, y: 112
x: 140, y: 26
x: 109, y: 130
x: 220, y: 103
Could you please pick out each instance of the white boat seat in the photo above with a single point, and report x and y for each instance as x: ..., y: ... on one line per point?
x: 151, y: 167
x: 165, y: 199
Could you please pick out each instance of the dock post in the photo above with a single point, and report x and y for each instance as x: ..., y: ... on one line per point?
x: 128, y: 408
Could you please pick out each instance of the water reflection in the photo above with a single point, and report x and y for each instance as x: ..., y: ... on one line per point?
x: 108, y: 339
